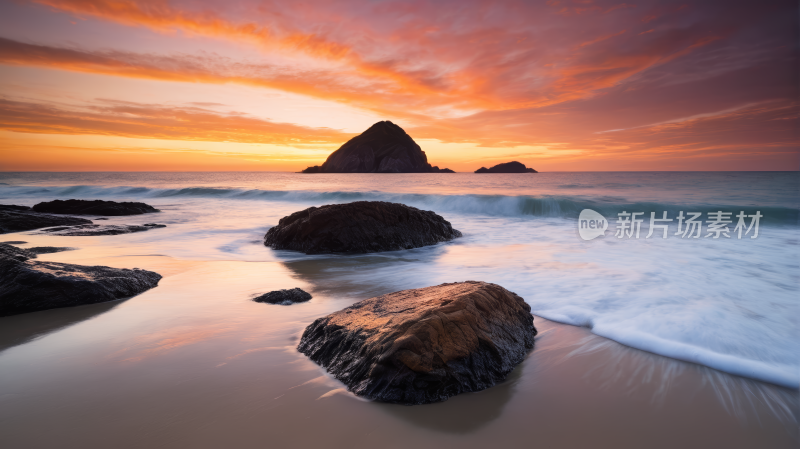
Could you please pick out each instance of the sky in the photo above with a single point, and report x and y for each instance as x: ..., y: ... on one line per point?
x: 560, y: 85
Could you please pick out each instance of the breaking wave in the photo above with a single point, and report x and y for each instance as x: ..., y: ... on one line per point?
x: 491, y: 205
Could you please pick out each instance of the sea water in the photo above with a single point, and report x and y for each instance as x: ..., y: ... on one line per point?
x: 731, y: 304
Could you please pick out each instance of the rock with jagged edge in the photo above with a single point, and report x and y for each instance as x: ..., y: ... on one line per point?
x: 424, y: 345
x: 28, y: 285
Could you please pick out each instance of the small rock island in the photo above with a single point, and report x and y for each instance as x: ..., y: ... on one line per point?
x: 359, y: 227
x: 424, y: 345
x: 383, y: 148
x: 507, y: 167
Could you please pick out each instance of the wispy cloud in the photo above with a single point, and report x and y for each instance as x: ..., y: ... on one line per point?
x: 126, y: 119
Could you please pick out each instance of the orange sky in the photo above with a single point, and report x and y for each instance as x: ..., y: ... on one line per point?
x: 567, y: 85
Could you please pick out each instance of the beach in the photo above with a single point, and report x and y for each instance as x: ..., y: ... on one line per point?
x: 642, y: 342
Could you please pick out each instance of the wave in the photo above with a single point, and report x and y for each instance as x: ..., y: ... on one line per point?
x: 491, y: 205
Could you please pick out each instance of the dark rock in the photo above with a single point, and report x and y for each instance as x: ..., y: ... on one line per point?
x: 21, y: 218
x: 12, y: 252
x: 14, y: 207
x: 96, y: 207
x: 100, y: 219
x: 49, y: 249
x: 424, y: 345
x: 383, y: 148
x: 508, y: 167
x: 28, y: 285
x: 94, y: 229
x: 284, y: 297
x: 359, y: 227
x: 14, y: 242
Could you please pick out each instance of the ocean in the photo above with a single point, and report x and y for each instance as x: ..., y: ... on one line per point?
x: 727, y: 304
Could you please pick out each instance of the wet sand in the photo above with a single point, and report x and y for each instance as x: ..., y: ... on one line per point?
x: 195, y: 363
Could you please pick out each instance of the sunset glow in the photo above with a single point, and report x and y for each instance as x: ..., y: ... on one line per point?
x: 562, y: 85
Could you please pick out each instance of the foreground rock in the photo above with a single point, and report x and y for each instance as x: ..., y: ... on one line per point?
x: 383, y: 148
x: 28, y: 285
x: 424, y: 345
x: 359, y: 227
x: 508, y: 167
x: 93, y: 229
x: 96, y: 207
x: 284, y: 297
x: 22, y: 218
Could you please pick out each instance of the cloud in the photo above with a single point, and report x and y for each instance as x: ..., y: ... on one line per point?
x: 126, y: 119
x: 509, y: 74
x: 498, y: 57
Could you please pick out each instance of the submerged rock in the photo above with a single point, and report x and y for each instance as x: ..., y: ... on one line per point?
x: 284, y: 297
x: 383, y: 148
x: 48, y: 249
x: 22, y: 218
x: 28, y: 285
x: 96, y: 207
x: 424, y: 345
x: 94, y: 229
x: 359, y: 227
x: 507, y: 167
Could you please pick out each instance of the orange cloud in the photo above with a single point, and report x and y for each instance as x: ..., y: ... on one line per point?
x: 431, y: 70
x: 125, y: 119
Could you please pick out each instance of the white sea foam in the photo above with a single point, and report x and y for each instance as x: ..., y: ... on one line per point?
x: 482, y: 204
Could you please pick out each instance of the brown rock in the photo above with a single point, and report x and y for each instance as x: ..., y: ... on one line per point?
x: 424, y: 345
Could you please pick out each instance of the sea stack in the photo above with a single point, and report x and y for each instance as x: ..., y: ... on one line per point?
x: 383, y: 148
x: 359, y: 227
x: 507, y: 167
x: 424, y: 345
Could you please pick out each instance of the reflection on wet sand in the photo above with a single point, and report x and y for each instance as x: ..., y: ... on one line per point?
x: 460, y: 414
x: 20, y: 329
x: 354, y: 274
